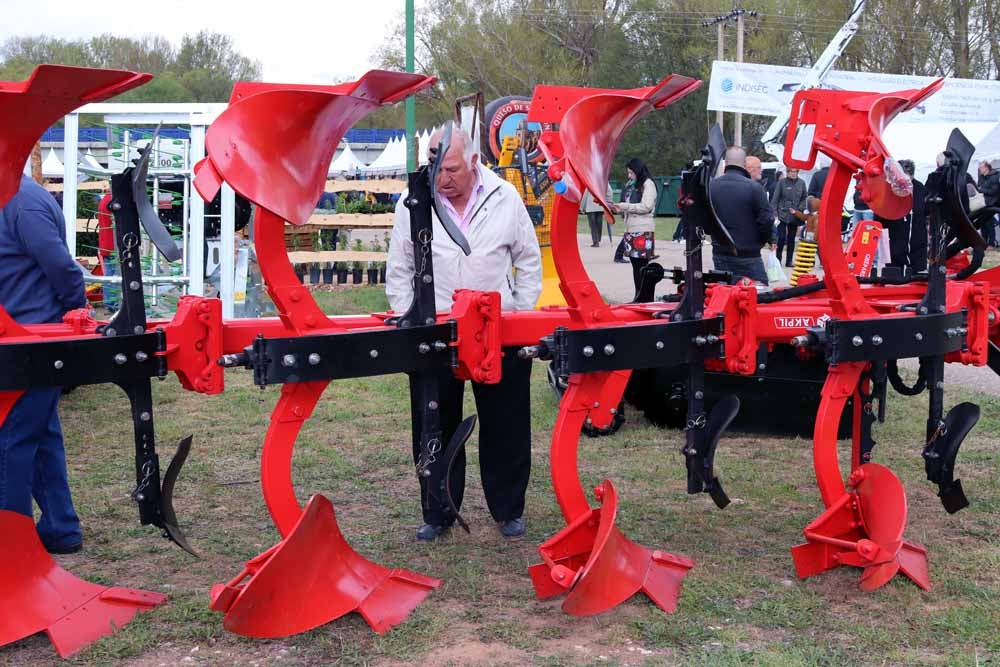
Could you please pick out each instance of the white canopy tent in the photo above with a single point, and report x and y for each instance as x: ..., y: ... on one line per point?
x: 391, y: 162
x: 921, y: 142
x: 90, y: 162
x: 52, y: 166
x: 987, y: 148
x: 346, y: 164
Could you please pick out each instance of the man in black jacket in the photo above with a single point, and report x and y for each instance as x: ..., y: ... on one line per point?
x: 742, y: 207
x: 916, y: 220
x: 989, y: 185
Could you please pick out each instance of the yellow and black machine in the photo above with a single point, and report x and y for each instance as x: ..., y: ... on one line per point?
x: 508, y: 146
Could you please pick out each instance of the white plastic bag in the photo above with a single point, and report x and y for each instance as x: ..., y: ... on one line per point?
x: 775, y: 272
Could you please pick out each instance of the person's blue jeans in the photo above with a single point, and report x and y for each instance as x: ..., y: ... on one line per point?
x: 858, y: 216
x: 33, y: 463
x: 740, y: 267
x: 112, y: 293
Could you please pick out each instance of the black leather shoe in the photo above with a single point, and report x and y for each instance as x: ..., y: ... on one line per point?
x: 512, y: 528
x: 63, y: 550
x: 429, y: 532
x: 621, y: 261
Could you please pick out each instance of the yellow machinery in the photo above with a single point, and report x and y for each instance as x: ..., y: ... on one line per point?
x: 531, y: 182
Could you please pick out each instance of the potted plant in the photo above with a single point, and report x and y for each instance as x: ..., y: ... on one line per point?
x: 373, y: 267
x: 381, y: 265
x: 328, y: 273
x: 314, y: 273
x: 358, y: 267
x: 341, y: 273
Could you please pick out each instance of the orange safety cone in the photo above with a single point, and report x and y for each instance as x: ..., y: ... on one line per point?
x: 36, y: 594
x: 312, y: 577
x: 599, y: 568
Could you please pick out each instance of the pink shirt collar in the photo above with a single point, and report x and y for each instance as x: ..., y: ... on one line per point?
x: 465, y: 219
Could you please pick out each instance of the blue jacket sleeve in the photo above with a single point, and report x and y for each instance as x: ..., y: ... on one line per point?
x: 40, y: 232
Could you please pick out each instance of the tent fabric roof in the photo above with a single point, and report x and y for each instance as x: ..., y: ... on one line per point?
x: 391, y: 161
x: 52, y: 166
x: 346, y: 163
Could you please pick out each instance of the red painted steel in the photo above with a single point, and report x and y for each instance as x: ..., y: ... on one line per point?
x: 38, y: 595
x: 312, y: 577
x: 29, y: 107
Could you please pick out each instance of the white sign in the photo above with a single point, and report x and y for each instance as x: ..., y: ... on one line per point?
x: 767, y: 90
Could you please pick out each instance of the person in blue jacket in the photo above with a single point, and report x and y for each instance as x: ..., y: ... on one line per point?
x: 39, y: 282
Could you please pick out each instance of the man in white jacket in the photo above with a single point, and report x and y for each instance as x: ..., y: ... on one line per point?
x: 505, y: 258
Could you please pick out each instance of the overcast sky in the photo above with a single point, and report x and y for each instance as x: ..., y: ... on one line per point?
x: 295, y: 41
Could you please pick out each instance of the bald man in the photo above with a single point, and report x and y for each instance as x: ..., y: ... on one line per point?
x: 742, y: 207
x: 505, y: 258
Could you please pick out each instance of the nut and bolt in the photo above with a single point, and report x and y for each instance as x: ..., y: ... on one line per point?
x: 141, y: 356
x: 609, y: 349
x: 288, y: 360
x: 918, y: 336
x: 433, y: 405
x: 440, y: 346
x: 145, y: 416
x: 857, y: 341
x: 699, y: 395
x: 373, y: 354
x: 58, y: 364
x: 314, y: 359
x: 120, y: 358
x: 423, y: 348
x: 138, y: 330
x: 659, y: 345
x: 876, y: 340
x: 134, y: 285
x: 427, y: 279
x: 588, y: 351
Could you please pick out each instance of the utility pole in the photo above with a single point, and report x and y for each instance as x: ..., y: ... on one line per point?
x: 411, y: 108
x: 738, y: 130
x: 736, y: 14
x: 722, y: 56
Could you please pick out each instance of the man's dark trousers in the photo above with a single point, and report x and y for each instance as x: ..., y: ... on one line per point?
x: 504, y: 411
x: 33, y: 462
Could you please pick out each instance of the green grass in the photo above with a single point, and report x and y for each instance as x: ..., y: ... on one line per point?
x: 741, y: 605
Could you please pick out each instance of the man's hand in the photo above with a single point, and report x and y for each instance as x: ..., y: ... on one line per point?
x: 615, y: 208
x: 792, y: 211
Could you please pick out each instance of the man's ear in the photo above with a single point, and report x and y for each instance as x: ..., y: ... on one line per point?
x: 475, y: 160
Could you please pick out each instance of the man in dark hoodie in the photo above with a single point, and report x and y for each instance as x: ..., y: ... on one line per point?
x: 742, y: 207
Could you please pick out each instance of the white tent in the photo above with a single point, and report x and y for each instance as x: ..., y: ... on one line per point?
x: 392, y: 161
x: 347, y: 163
x: 52, y: 166
x: 921, y: 142
x: 90, y: 162
x: 987, y: 148
x: 423, y: 140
